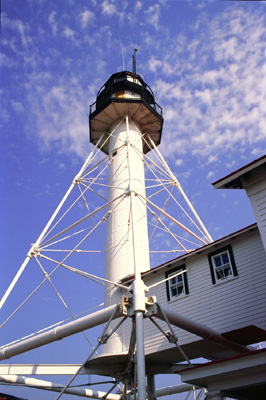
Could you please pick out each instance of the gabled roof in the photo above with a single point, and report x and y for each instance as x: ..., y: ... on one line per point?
x: 233, y: 180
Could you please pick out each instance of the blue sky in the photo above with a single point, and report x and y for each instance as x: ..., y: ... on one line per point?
x: 206, y: 63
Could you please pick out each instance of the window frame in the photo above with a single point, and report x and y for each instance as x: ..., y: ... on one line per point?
x: 232, y: 263
x: 173, y: 271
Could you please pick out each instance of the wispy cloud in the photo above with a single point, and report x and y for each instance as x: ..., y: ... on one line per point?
x: 19, y: 29
x: 217, y: 98
x: 69, y: 33
x: 86, y: 17
x: 153, y: 15
x: 108, y: 7
x: 138, y: 6
x: 61, y: 117
x: 52, y: 22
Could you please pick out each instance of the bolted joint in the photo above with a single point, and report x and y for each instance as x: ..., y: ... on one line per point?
x: 171, y: 337
x: 130, y: 191
x: 103, y: 339
x: 34, y: 252
x: 126, y: 306
x: 175, y: 182
x: 77, y: 180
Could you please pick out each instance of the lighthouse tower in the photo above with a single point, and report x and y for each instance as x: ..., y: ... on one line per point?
x: 126, y: 112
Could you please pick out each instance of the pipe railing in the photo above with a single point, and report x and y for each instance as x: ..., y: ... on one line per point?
x: 99, y: 103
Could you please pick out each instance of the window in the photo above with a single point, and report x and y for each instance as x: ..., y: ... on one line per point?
x: 222, y: 265
x: 176, y: 286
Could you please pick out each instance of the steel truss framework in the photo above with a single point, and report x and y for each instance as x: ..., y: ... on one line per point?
x: 73, y: 241
x: 129, y: 373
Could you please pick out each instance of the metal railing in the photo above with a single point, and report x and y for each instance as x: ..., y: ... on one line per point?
x: 144, y: 94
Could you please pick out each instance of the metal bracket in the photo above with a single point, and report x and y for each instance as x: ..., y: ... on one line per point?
x: 127, y: 307
x: 103, y: 339
x: 151, y: 307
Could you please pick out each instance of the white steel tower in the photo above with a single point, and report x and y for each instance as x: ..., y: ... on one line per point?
x: 126, y: 111
x: 126, y: 123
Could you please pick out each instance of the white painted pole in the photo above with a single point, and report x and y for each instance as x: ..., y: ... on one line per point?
x: 140, y: 355
x: 56, y: 387
x: 36, y: 244
x: 138, y: 286
x: 60, y: 332
x: 167, y: 391
x: 126, y: 176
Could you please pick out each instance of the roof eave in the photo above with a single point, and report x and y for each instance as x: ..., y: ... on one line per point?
x: 233, y: 180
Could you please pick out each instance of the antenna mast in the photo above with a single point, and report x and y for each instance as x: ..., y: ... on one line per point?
x: 134, y: 61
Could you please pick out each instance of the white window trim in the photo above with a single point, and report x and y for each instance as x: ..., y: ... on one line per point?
x: 233, y: 269
x: 223, y: 266
x: 171, y: 275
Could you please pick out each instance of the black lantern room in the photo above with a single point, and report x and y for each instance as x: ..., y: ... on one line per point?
x: 125, y: 93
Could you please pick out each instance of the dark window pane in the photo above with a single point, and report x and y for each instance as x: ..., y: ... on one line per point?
x: 227, y: 271
x: 180, y: 289
x: 217, y: 261
x: 219, y: 273
x: 225, y: 258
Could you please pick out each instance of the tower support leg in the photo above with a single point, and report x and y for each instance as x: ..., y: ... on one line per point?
x: 140, y: 356
x: 151, y: 386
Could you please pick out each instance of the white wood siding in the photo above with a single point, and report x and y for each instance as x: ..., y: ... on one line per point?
x: 257, y: 196
x: 230, y: 305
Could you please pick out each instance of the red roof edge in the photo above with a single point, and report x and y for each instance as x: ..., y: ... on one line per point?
x: 207, y: 364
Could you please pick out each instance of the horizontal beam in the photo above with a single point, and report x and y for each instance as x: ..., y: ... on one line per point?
x: 198, y: 329
x: 41, y: 369
x: 57, y: 387
x: 167, y: 391
x: 60, y: 332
